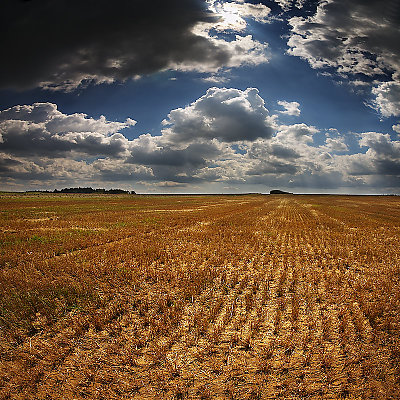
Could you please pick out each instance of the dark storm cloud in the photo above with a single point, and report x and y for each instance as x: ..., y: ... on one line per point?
x: 61, y: 43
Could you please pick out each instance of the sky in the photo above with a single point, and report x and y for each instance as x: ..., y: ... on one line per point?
x: 201, y: 96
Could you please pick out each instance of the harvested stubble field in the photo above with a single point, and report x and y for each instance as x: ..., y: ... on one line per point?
x: 199, y: 297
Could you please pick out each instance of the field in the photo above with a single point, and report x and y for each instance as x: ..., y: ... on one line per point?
x: 199, y: 297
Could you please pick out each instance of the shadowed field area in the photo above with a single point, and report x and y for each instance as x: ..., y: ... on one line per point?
x: 199, y: 297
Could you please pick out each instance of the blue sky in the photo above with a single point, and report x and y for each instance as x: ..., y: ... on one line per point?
x: 195, y: 96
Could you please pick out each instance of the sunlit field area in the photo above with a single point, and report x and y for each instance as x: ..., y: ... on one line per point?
x: 199, y: 297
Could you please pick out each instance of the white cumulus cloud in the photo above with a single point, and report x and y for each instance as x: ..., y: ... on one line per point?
x: 387, y: 98
x: 396, y: 128
x: 286, y: 5
x: 229, y: 115
x: 290, y: 107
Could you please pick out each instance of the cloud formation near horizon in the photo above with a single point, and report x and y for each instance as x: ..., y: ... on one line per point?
x: 227, y: 135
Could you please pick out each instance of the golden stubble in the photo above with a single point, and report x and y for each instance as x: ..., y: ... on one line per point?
x: 199, y: 297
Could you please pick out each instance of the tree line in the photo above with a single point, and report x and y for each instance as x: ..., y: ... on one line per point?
x: 89, y: 190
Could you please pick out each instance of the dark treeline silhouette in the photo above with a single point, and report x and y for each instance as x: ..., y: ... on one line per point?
x: 91, y: 190
x: 276, y: 191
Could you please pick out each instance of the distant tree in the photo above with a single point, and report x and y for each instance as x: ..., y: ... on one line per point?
x: 277, y: 191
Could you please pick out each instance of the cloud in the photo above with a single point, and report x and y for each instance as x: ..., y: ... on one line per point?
x: 8, y: 164
x: 387, y: 99
x: 379, y: 165
x: 192, y: 155
x: 41, y: 130
x: 355, y: 36
x: 297, y: 133
x: 291, y: 108
x: 286, y: 5
x: 335, y: 145
x: 358, y: 40
x: 225, y: 137
x: 216, y: 79
x: 241, y: 51
x: 396, y: 128
x: 289, y: 155
x: 233, y: 14
x: 381, y: 144
x: 168, y: 184
x: 229, y: 115
x: 61, y: 47
x: 118, y: 170
x: 178, y: 161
